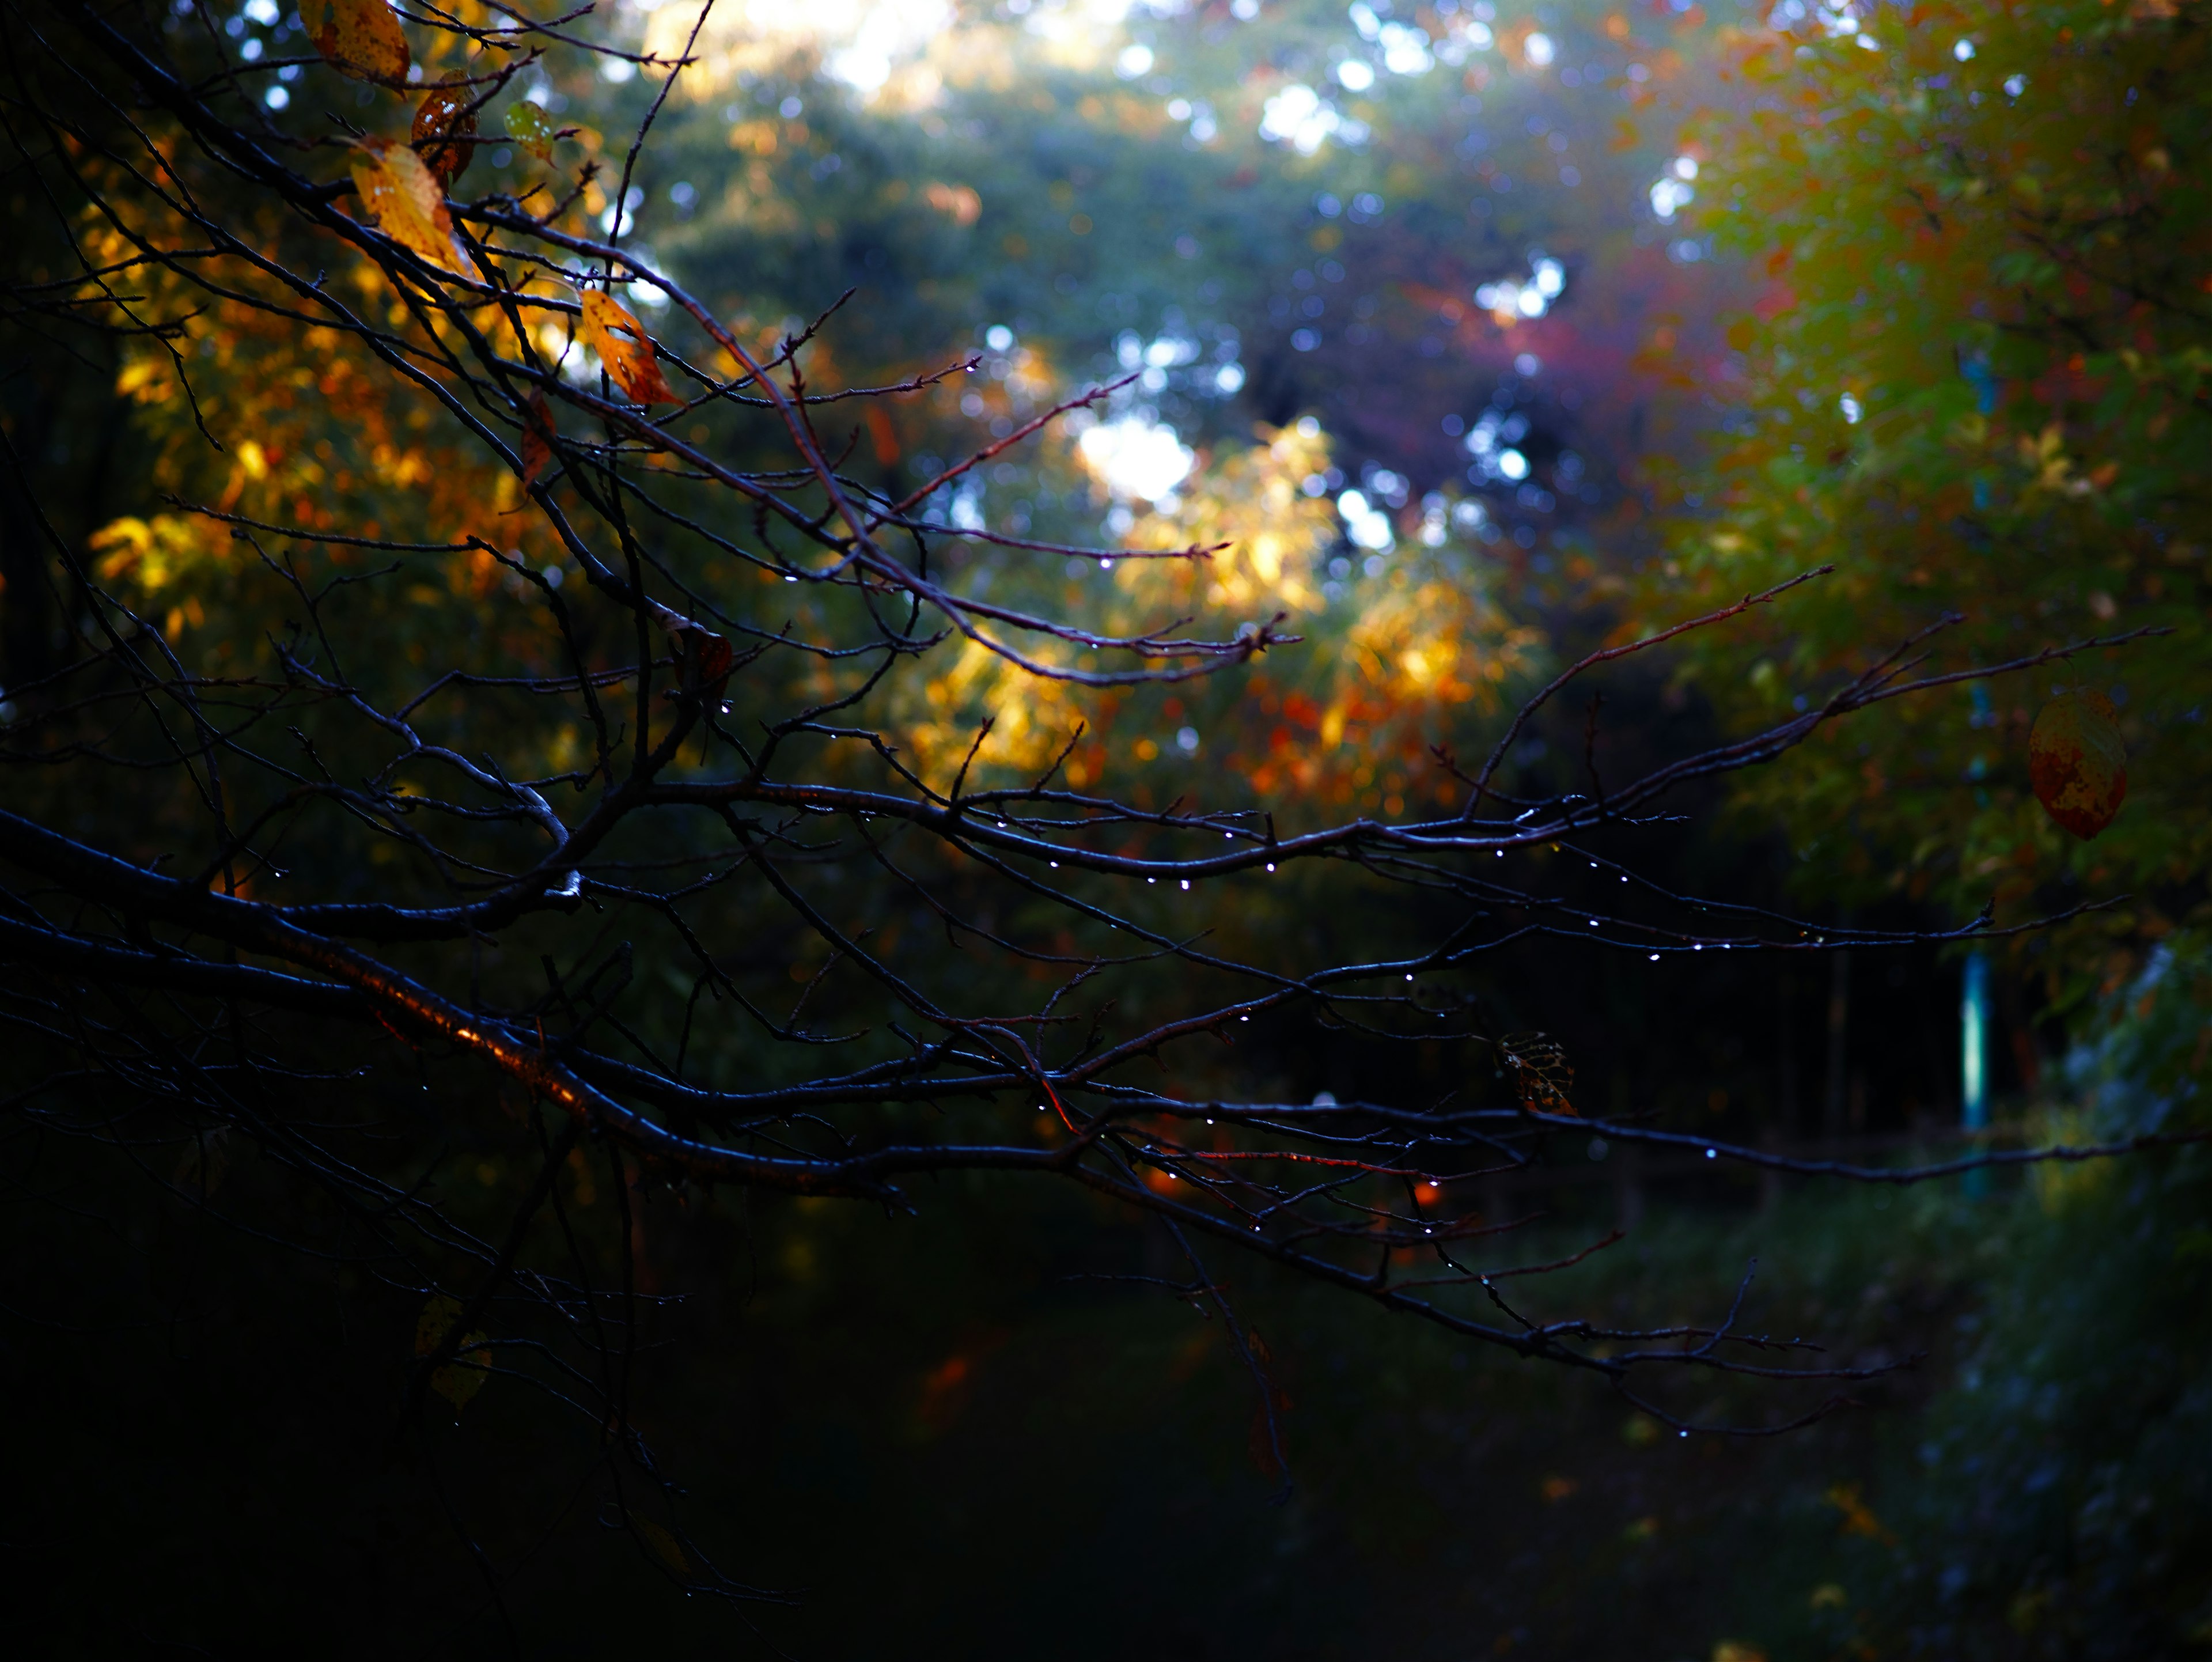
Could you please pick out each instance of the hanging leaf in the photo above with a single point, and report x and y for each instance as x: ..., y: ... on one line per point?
x: 703, y: 659
x: 1542, y: 1077
x: 664, y: 1545
x: 528, y: 125
x: 465, y: 1376
x: 625, y: 349
x: 1262, y: 1441
x: 446, y: 115
x: 537, y: 437
x: 2077, y: 762
x: 360, y: 38
x: 205, y: 1160
x: 404, y: 198
x: 437, y: 1319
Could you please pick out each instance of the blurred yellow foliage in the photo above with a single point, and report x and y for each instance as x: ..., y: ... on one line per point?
x: 1379, y: 671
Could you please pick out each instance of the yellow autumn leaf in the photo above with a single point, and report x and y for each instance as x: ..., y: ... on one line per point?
x: 362, y: 38
x: 401, y: 195
x: 465, y: 1376
x: 611, y: 330
x: 438, y: 1317
x: 664, y: 1545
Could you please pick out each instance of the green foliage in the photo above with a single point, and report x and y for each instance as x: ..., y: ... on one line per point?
x: 2056, y: 1505
x: 1976, y: 383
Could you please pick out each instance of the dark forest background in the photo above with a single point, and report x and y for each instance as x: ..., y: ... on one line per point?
x: 1524, y: 329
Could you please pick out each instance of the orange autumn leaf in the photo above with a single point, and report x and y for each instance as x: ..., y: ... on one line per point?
x: 2077, y: 762
x: 403, y: 197
x: 444, y: 129
x: 611, y: 330
x: 363, y: 39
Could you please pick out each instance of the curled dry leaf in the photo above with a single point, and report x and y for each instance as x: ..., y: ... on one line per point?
x: 360, y: 38
x: 1542, y: 1077
x: 528, y: 125
x: 400, y: 192
x: 702, y: 657
x: 706, y: 658
x: 2077, y: 762
x: 611, y: 330
x: 537, y: 437
x: 445, y: 134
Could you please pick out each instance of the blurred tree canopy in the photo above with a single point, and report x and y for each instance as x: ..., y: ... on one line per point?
x: 1976, y: 381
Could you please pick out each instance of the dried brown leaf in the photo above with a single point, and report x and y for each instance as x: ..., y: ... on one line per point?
x: 445, y: 134
x: 1542, y: 1077
x: 537, y: 437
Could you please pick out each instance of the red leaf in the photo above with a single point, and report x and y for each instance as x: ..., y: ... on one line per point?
x: 536, y: 438
x: 2077, y: 762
